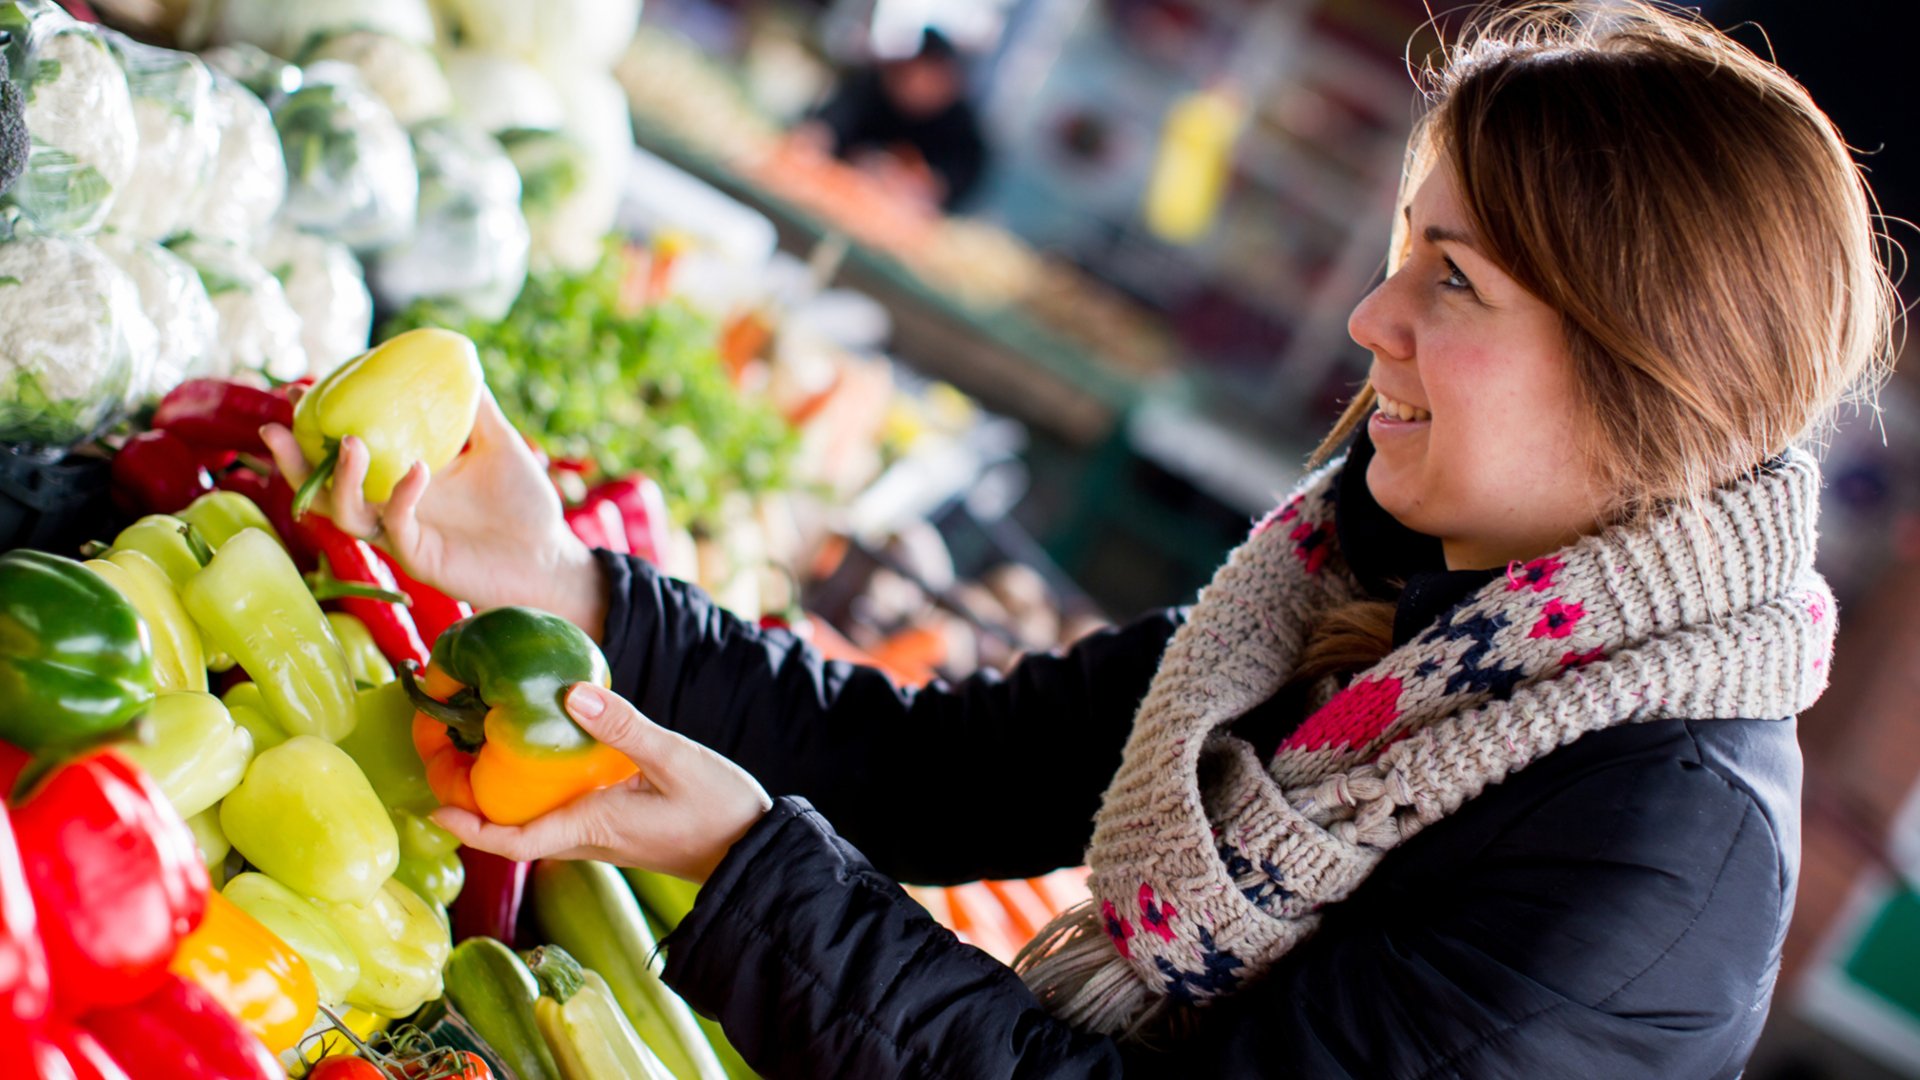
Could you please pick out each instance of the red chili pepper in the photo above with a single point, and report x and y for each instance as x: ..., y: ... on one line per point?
x: 116, y: 877
x: 157, y: 473
x: 23, y: 960
x: 351, y: 559
x: 598, y: 525
x: 221, y: 415
x: 179, y: 1032
x: 274, y: 497
x: 432, y: 610
x: 489, y: 902
x: 643, y: 512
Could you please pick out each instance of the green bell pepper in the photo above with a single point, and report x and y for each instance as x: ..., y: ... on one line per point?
x: 401, y: 945
x: 249, y: 710
x: 162, y: 538
x: 305, y: 815
x: 76, y: 661
x: 306, y: 930
x: 197, y: 754
x: 218, y: 517
x: 365, y: 662
x: 211, y: 842
x: 179, y: 663
x: 250, y: 601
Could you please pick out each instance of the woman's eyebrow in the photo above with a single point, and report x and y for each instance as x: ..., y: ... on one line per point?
x: 1437, y: 234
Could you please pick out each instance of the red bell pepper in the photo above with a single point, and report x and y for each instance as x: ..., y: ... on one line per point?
x: 157, y: 473
x: 274, y: 496
x: 597, y: 523
x: 219, y: 415
x: 432, y: 610
x: 179, y: 1032
x: 85, y: 1056
x: 23, y: 961
x: 643, y: 514
x: 350, y: 559
x: 489, y: 902
x: 116, y: 877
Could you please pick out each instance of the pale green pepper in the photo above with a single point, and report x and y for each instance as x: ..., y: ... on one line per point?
x: 218, y: 517
x: 197, y: 754
x: 211, y: 842
x: 179, y: 663
x: 162, y: 538
x: 365, y: 662
x: 305, y: 816
x: 429, y: 858
x: 251, y: 602
x: 249, y: 710
x: 401, y: 945
x: 381, y: 743
x: 305, y: 929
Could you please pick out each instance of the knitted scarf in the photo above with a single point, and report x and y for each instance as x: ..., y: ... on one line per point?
x: 1210, y: 864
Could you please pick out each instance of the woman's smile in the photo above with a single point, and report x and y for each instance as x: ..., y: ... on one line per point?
x: 1392, y: 416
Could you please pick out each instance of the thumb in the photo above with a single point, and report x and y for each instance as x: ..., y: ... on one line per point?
x: 613, y: 720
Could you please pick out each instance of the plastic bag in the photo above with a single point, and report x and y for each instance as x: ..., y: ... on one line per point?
x: 469, y: 247
x: 179, y: 139
x: 499, y: 93
x: 406, y: 76
x: 286, y: 27
x: 554, y: 35
x: 176, y: 303
x: 571, y: 179
x: 79, y: 120
x: 324, y: 284
x: 269, y: 77
x: 69, y: 324
x: 258, y: 328
x: 350, y: 170
x: 249, y: 175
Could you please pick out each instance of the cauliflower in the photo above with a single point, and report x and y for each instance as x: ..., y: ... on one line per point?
x: 572, y: 179
x: 402, y: 74
x: 555, y: 35
x: 259, y: 330
x: 82, y: 137
x: 179, y: 139
x: 249, y: 176
x: 470, y: 245
x: 69, y: 323
x: 285, y: 27
x: 324, y: 284
x: 499, y: 93
x: 176, y: 303
x: 350, y: 170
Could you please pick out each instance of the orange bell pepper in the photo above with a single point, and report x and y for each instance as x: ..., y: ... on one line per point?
x: 251, y: 972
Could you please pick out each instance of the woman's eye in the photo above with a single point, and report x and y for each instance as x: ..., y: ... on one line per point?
x: 1455, y: 279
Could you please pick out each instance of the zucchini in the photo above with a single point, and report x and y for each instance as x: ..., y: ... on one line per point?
x: 589, y: 1035
x: 495, y: 992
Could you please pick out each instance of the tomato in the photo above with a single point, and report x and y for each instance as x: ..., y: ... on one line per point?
x: 449, y: 1065
x: 346, y: 1068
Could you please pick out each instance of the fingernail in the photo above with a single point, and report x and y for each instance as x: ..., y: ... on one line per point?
x: 585, y: 701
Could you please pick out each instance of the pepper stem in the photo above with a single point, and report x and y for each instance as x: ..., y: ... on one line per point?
x: 325, y: 586
x: 95, y: 549
x: 197, y: 544
x: 465, y: 715
x: 560, y: 975
x: 315, y: 480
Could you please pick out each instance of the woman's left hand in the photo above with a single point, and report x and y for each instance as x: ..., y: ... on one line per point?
x: 679, y: 816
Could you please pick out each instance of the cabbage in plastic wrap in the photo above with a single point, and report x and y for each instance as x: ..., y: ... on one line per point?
x: 259, y: 330
x: 249, y: 176
x: 286, y: 27
x: 82, y: 138
x: 555, y: 35
x: 404, y: 75
x: 323, y: 282
x: 176, y: 303
x: 571, y: 179
x: 69, y: 324
x: 179, y: 139
x: 469, y: 248
x: 500, y: 93
x: 350, y: 170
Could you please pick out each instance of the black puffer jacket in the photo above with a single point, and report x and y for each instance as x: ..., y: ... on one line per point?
x: 1614, y: 910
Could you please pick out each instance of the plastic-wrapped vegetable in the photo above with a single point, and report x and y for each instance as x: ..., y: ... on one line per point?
x: 82, y: 138
x: 500, y: 93
x: 66, y: 353
x: 403, y: 74
x: 469, y: 247
x: 556, y: 35
x: 269, y: 77
x: 258, y: 330
x: 249, y: 176
x: 350, y: 171
x: 285, y: 27
x: 176, y: 303
x: 571, y: 179
x: 179, y: 138
x: 323, y: 282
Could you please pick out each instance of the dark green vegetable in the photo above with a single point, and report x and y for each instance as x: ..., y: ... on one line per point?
x: 13, y: 130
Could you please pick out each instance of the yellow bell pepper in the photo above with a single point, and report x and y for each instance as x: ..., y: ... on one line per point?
x: 251, y: 972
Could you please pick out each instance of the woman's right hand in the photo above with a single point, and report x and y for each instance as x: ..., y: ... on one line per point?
x: 489, y: 529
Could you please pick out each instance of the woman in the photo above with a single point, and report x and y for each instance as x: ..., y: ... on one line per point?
x: 1476, y: 759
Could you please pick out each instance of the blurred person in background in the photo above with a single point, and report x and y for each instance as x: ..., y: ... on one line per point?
x: 908, y: 123
x: 1477, y: 758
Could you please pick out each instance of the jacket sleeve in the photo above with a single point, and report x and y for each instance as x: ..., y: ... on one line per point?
x: 1648, y: 952
x: 989, y: 778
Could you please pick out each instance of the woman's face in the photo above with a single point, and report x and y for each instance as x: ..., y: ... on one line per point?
x: 1478, y: 432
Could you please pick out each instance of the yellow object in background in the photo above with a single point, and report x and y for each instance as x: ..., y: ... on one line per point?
x: 1190, y: 169
x: 250, y: 972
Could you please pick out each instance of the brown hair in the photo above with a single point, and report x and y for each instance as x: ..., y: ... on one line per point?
x: 1694, y: 217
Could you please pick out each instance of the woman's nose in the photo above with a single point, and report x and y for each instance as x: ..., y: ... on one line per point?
x: 1378, y: 324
